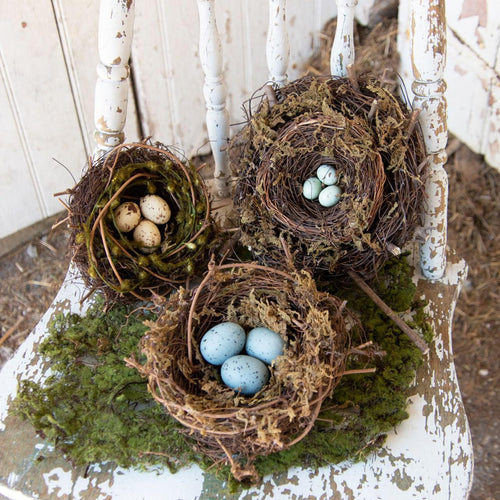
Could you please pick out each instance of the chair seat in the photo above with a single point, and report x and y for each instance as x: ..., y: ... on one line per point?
x: 429, y: 455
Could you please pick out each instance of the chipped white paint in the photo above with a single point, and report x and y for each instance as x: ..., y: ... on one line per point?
x: 116, y: 22
x: 428, y: 61
x: 214, y: 91
x: 277, y: 46
x: 342, y: 53
x: 472, y: 71
x: 59, y: 482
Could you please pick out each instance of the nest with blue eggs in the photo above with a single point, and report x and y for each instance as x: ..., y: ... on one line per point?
x: 141, y: 222
x: 228, y: 426
x: 372, y: 142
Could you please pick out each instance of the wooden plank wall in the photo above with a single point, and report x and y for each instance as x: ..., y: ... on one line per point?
x: 48, y: 55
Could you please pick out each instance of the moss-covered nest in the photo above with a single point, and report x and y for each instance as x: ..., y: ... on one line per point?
x: 227, y: 426
x: 109, y: 259
x: 368, y: 135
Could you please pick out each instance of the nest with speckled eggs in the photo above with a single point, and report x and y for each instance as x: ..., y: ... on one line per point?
x: 360, y: 129
x: 125, y: 252
x: 228, y: 426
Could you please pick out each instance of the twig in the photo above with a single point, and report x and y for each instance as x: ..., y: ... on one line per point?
x: 360, y: 370
x: 11, y: 330
x: 412, y: 334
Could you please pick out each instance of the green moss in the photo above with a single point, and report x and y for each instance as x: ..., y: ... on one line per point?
x: 93, y: 407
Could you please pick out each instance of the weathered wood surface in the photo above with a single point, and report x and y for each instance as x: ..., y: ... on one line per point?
x: 343, y: 51
x: 428, y: 456
x: 214, y: 91
x: 428, y: 56
x: 472, y: 72
x: 116, y: 26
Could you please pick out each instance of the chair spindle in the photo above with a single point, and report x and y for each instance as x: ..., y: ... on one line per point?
x: 277, y: 46
x: 116, y: 24
x: 342, y: 53
x: 428, y: 61
x: 214, y: 91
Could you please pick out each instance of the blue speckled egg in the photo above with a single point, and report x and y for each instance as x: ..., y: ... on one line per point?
x: 264, y: 344
x: 244, y: 374
x: 327, y: 175
x: 221, y: 342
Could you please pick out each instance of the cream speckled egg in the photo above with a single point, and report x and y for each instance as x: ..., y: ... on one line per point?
x: 127, y: 216
x: 327, y: 175
x: 264, y: 344
x: 244, y: 374
x: 329, y: 196
x: 147, y: 235
x: 311, y: 188
x: 221, y: 342
x: 155, y: 209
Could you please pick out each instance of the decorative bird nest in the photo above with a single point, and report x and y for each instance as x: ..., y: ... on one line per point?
x: 229, y: 427
x: 129, y: 255
x: 370, y: 138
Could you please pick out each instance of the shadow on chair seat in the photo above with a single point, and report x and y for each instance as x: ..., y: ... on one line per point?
x: 429, y: 455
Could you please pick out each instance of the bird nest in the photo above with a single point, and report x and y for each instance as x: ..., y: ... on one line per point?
x: 108, y: 256
x: 227, y: 426
x: 362, y: 130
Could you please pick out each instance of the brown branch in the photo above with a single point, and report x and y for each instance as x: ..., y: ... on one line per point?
x: 412, y: 334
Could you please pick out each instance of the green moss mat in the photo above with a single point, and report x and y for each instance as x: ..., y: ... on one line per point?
x: 94, y: 408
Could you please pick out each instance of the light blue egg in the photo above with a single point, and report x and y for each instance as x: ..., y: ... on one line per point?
x: 311, y: 188
x: 264, y: 344
x: 329, y: 196
x: 221, y: 342
x: 327, y: 175
x: 244, y: 374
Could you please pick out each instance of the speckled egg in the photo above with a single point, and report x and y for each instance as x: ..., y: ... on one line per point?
x: 311, y: 188
x: 221, y: 342
x: 127, y: 216
x: 147, y: 235
x: 155, y: 209
x: 327, y: 175
x: 329, y: 196
x: 264, y: 344
x: 244, y: 374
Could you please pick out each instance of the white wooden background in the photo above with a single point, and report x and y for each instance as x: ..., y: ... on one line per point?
x: 48, y: 55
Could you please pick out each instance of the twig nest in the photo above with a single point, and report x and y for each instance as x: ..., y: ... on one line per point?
x: 141, y: 222
x: 228, y: 425
x: 361, y: 143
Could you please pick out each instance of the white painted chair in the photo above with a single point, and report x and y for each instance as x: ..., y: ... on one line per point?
x: 427, y: 456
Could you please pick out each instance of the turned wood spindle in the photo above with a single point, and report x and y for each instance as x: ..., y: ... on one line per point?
x: 342, y: 53
x: 277, y: 45
x: 116, y: 23
x: 214, y: 91
x: 428, y: 61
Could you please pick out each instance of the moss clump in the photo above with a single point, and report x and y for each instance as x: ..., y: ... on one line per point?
x: 93, y: 407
